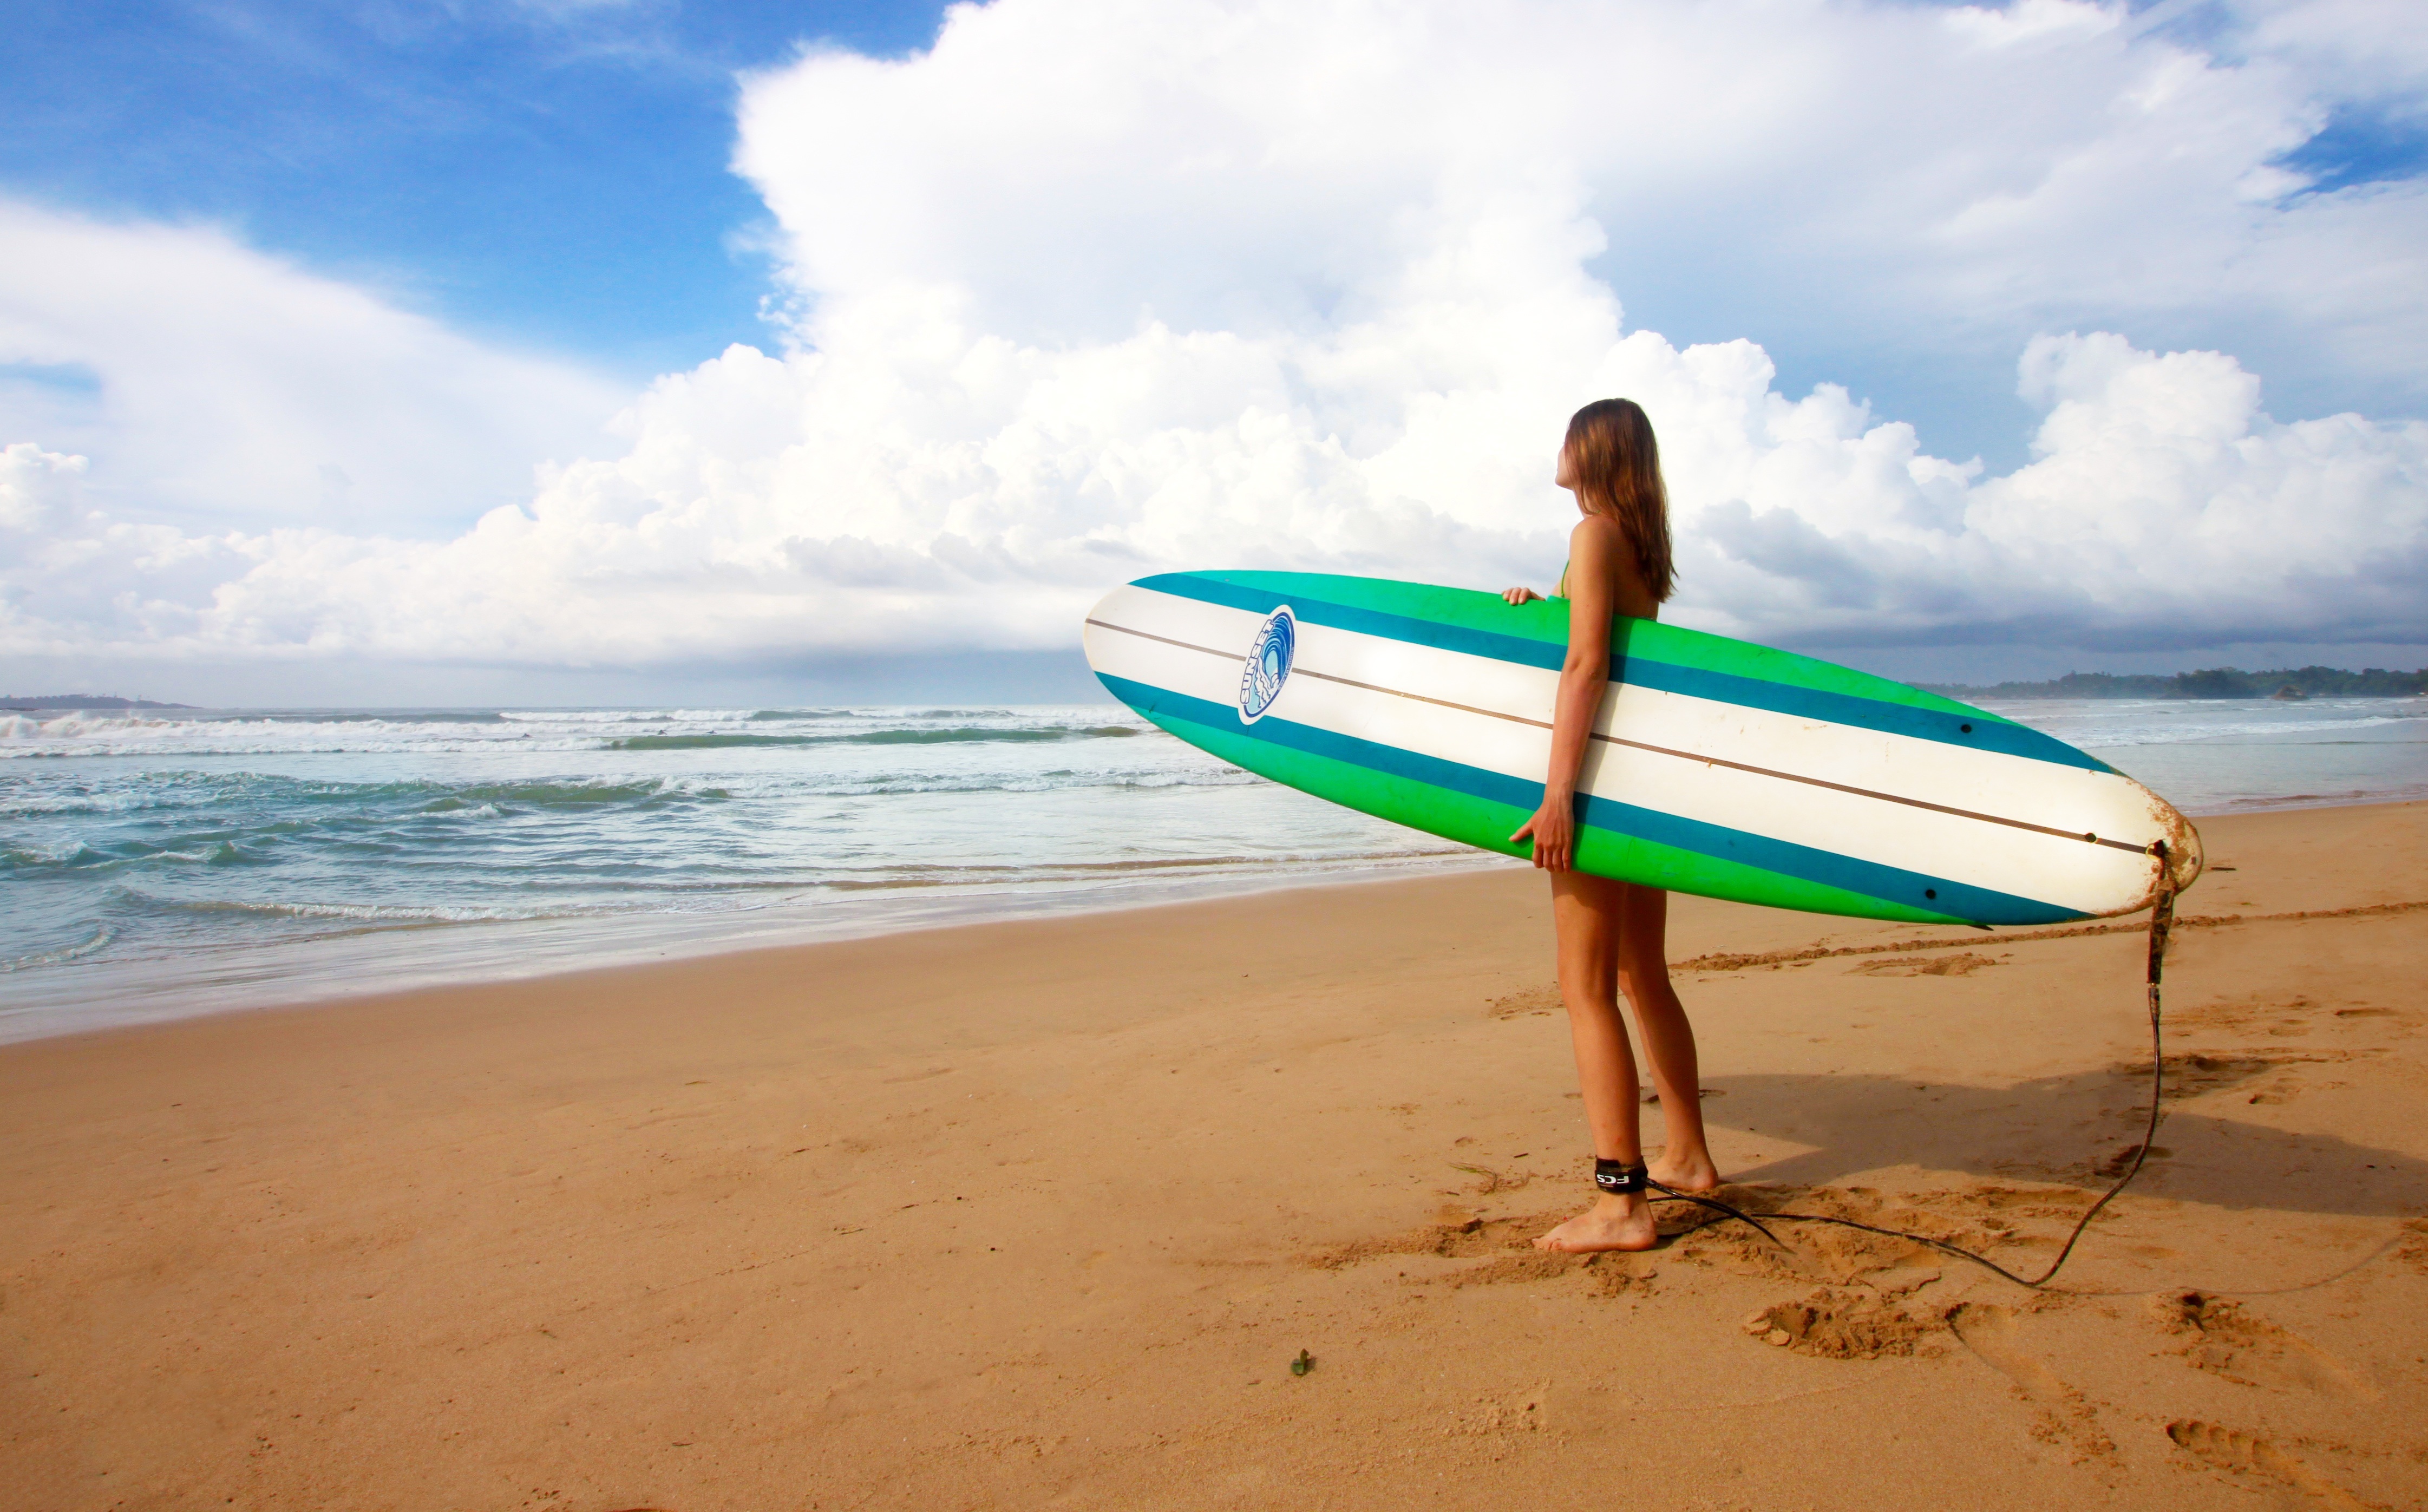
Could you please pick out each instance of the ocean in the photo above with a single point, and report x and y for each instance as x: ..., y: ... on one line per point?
x: 154, y: 864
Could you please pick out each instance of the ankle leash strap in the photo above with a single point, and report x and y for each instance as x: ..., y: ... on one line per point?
x: 1619, y: 1176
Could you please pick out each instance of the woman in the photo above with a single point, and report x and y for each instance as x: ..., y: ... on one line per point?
x: 1611, y: 933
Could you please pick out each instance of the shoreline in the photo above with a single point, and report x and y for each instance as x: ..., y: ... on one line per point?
x: 246, y: 979
x: 323, y: 873
x: 1035, y: 1212
x: 573, y: 946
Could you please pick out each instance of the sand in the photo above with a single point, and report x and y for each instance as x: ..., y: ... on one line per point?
x: 1039, y: 1214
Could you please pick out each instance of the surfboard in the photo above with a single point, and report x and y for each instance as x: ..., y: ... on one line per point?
x: 1717, y: 766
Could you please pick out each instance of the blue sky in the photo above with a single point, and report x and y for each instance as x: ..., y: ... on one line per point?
x: 549, y: 174
x: 381, y: 343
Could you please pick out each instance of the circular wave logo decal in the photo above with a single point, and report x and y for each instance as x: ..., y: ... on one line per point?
x: 1268, y: 664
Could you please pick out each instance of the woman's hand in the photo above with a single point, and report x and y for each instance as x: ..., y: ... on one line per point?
x: 1520, y: 595
x: 1554, y: 829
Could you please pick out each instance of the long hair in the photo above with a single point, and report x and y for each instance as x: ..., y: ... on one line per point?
x: 1618, y: 474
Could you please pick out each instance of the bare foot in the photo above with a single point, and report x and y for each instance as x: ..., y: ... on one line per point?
x: 1613, y: 1223
x: 1685, y: 1173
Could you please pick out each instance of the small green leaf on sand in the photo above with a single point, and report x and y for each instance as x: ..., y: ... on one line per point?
x: 1304, y: 1363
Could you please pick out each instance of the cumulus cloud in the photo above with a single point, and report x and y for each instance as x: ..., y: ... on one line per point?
x: 212, y: 383
x: 1088, y: 291
x: 1862, y: 175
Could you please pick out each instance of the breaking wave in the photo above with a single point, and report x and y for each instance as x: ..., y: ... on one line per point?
x: 978, y: 735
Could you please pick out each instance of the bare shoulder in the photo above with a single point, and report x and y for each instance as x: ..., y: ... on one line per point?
x: 1601, y: 557
x: 1597, y: 539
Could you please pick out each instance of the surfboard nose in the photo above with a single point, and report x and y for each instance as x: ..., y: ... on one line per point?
x: 1109, y: 634
x: 1091, y: 629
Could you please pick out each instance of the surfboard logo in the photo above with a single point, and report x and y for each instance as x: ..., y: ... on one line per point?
x: 1267, y: 666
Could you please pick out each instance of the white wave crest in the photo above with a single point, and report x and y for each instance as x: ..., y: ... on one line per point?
x: 99, y: 940
x: 399, y: 913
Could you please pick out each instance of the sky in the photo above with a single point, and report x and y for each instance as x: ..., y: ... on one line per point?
x: 631, y: 350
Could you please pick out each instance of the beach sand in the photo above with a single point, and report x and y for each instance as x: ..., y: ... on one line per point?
x: 1038, y: 1213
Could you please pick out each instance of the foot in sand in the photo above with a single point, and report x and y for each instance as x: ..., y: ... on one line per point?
x: 1611, y: 1224
x: 1685, y: 1173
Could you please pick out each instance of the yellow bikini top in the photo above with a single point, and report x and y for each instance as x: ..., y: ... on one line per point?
x: 1562, y: 591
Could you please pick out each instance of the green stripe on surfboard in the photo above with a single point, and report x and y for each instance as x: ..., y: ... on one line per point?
x: 1547, y: 620
x: 1488, y: 825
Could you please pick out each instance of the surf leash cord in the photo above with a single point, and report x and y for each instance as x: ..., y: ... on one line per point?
x: 2162, y: 919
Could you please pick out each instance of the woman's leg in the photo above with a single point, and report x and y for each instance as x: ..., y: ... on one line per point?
x: 1643, y: 968
x: 1589, y: 915
x: 1589, y: 918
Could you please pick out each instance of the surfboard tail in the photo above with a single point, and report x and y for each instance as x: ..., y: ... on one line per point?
x: 2184, y: 860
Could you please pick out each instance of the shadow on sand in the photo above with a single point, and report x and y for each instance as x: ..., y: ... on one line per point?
x: 2068, y: 1129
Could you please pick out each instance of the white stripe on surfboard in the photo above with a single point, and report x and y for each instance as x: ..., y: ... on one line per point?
x: 1766, y: 808
x: 1476, y: 711
x: 1709, y: 761
x: 1697, y: 729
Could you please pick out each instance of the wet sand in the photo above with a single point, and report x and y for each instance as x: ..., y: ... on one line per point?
x: 1039, y: 1214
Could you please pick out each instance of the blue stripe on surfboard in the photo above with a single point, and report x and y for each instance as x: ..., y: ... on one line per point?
x: 1499, y: 648
x: 1892, y: 884
x: 1666, y: 677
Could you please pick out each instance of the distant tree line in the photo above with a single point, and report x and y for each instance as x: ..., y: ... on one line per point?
x: 78, y: 701
x: 2213, y: 682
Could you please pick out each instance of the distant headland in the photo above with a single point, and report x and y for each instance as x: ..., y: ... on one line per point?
x: 79, y: 700
x: 2215, y: 682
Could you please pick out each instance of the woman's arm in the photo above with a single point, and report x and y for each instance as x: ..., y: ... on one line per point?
x: 1594, y: 551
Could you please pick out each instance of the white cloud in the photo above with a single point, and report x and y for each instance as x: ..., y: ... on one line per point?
x: 1092, y: 289
x: 1876, y: 172
x: 40, y: 491
x: 2374, y: 50
x: 214, y: 385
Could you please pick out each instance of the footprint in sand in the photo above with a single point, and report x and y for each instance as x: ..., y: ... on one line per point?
x: 2121, y: 1161
x: 2238, y: 1454
x: 1962, y: 964
x: 2066, y: 1417
x: 2263, y: 1013
x: 2228, y: 1339
x: 1835, y: 1324
x: 1508, y: 1242
x: 1529, y: 1000
x: 2414, y: 1249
